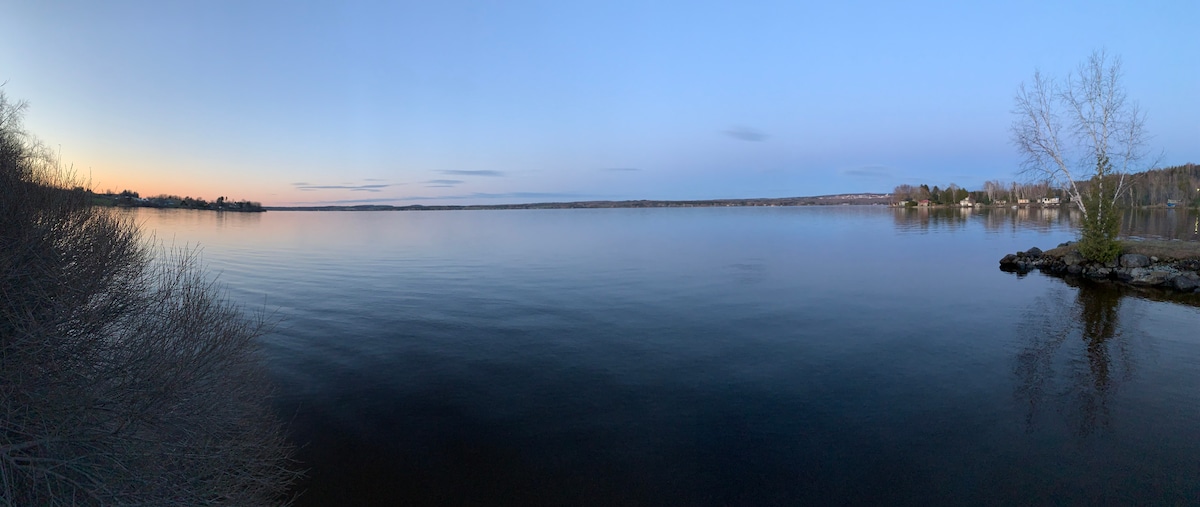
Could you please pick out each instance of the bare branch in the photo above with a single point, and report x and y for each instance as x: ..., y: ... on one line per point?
x: 125, y: 376
x: 1085, y: 136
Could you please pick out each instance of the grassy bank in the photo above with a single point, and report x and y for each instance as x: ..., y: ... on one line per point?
x: 1163, y: 249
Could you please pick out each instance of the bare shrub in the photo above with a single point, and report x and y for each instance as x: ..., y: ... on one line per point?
x: 125, y: 376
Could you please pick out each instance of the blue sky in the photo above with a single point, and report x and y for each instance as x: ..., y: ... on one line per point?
x: 484, y: 102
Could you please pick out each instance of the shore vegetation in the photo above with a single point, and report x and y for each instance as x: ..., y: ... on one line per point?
x: 126, y: 378
x: 132, y: 199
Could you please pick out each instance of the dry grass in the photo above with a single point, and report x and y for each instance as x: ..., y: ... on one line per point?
x: 1163, y: 249
x: 1168, y: 250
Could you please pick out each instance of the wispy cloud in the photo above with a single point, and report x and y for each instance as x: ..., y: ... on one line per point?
x: 746, y: 134
x: 443, y: 183
x: 457, y: 172
x: 378, y: 200
x: 372, y: 187
x: 535, y: 195
x: 504, y: 195
x: 868, y: 171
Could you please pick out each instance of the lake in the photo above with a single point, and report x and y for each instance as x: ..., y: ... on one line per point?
x: 710, y: 356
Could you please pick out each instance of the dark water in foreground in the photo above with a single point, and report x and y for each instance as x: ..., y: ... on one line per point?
x: 714, y: 356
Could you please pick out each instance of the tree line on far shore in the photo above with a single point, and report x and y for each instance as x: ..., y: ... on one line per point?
x: 131, y: 199
x: 994, y: 192
x: 1157, y: 186
x: 1177, y: 185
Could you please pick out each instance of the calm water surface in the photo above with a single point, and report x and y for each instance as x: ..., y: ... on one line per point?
x: 710, y: 356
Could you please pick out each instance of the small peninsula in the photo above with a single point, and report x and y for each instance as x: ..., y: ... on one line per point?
x: 1168, y: 265
x: 131, y: 199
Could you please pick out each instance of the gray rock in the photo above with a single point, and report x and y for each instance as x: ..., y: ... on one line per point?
x: 1008, y: 260
x: 1143, y: 276
x: 1073, y: 258
x: 1183, y: 283
x: 1034, y: 252
x: 1074, y: 269
x: 1134, y: 261
x: 1112, y: 263
x: 1153, y: 259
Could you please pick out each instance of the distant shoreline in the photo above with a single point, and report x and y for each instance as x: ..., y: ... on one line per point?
x: 821, y: 200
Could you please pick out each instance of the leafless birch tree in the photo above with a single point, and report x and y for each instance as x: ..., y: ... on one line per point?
x: 1085, y: 136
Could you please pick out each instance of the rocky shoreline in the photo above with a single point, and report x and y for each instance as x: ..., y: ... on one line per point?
x: 1136, y: 269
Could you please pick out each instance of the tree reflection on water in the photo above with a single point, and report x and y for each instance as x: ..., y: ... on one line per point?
x: 1055, y: 374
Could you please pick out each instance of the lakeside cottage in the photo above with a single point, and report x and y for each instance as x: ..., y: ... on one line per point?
x: 967, y: 203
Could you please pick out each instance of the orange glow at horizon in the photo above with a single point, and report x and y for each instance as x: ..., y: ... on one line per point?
x: 150, y: 179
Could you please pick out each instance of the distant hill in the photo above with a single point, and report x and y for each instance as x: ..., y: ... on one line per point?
x: 1156, y: 187
x: 838, y: 199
